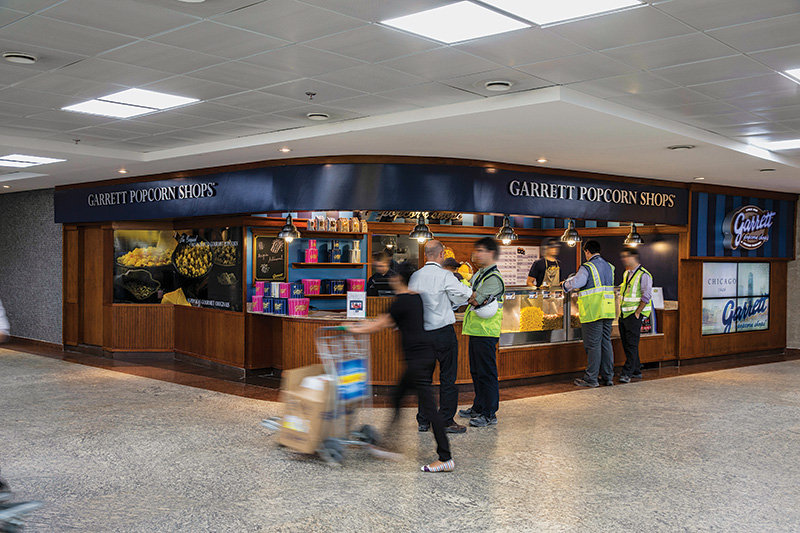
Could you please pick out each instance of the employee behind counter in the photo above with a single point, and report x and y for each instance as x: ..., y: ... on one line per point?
x: 378, y: 283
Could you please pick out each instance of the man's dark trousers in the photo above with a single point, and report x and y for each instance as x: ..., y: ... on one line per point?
x: 445, y: 344
x: 599, y: 350
x: 630, y: 329
x: 483, y: 367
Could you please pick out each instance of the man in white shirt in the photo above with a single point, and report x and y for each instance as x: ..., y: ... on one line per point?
x: 441, y: 291
x: 5, y: 328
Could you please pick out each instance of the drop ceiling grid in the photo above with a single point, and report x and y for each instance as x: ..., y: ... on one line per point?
x: 401, y: 70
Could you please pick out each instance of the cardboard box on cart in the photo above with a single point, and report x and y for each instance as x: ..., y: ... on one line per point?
x: 309, y: 404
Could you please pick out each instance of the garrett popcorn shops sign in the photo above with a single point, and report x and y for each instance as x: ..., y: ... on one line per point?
x: 747, y: 227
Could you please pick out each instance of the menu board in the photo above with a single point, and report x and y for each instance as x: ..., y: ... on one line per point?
x: 735, y: 297
x: 515, y: 262
x: 192, y: 267
x: 269, y: 258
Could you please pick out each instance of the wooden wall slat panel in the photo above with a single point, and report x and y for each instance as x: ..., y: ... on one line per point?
x: 210, y: 334
x: 140, y: 328
x: 91, y: 281
x: 71, y: 286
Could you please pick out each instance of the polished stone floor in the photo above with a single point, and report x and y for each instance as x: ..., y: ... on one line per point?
x: 110, y: 451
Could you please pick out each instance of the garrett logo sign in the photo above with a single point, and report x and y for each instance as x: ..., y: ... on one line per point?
x: 747, y: 227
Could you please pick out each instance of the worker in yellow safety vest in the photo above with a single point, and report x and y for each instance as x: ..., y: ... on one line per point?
x: 594, y: 282
x: 636, y: 292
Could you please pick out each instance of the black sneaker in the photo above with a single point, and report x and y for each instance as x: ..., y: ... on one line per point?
x: 482, y: 421
x: 624, y: 379
x: 455, y: 428
x: 424, y: 427
x: 468, y: 413
x: 607, y: 382
x: 637, y: 376
x: 583, y: 383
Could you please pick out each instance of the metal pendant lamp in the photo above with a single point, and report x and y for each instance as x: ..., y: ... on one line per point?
x: 506, y: 233
x: 633, y: 238
x: 421, y: 231
x: 289, y: 231
x: 571, y: 236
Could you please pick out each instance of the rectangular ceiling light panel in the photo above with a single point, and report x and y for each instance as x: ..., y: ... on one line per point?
x: 109, y: 109
x: 544, y: 12
x: 24, y: 161
x: 130, y: 103
x: 792, y: 144
x: 457, y: 22
x: 795, y: 74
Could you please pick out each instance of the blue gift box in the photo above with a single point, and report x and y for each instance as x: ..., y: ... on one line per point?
x: 280, y: 306
x: 338, y: 286
x: 267, y: 305
x: 297, y: 290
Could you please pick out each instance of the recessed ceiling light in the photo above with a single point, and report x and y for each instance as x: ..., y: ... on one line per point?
x: 285, y: 150
x: 680, y: 147
x: 318, y: 116
x: 541, y: 160
x: 457, y: 22
x: 699, y: 178
x: 791, y: 144
x: 19, y: 57
x: 498, y: 86
x: 794, y: 73
x: 491, y: 170
x: 130, y: 103
x: 6, y: 186
x: 122, y: 171
x: 24, y: 161
x: 767, y: 170
x: 192, y: 1
x: 561, y: 10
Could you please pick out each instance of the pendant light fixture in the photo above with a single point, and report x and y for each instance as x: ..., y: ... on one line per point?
x: 289, y: 231
x: 571, y: 236
x: 421, y: 231
x: 506, y: 233
x: 633, y: 238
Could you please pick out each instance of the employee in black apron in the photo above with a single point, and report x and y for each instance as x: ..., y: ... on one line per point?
x: 545, y: 273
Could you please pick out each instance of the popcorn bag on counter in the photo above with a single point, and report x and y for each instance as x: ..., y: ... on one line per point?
x: 335, y: 286
x: 275, y: 289
x: 298, y: 306
x: 268, y: 305
x: 260, y: 288
x: 297, y: 290
x: 355, y: 285
x: 280, y: 306
x: 311, y: 287
x: 312, y: 254
x: 258, y: 304
x: 285, y: 290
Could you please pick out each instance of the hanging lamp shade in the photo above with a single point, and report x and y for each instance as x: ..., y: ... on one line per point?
x: 289, y: 231
x: 633, y: 238
x: 571, y: 236
x: 506, y: 233
x: 421, y: 231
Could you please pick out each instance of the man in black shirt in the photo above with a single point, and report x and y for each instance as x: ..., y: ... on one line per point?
x: 378, y: 284
x: 546, y: 271
x: 406, y: 314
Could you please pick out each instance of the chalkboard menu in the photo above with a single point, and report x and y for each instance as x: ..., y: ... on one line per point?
x: 269, y: 259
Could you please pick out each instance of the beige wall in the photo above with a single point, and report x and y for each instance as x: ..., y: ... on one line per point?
x: 793, y: 298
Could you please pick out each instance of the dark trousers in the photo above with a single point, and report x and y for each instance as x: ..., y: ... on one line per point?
x: 599, y: 351
x: 483, y: 367
x: 445, y: 344
x: 417, y: 376
x: 630, y: 329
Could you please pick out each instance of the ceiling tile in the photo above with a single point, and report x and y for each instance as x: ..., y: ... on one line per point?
x: 58, y: 121
x: 475, y: 83
x: 161, y: 57
x: 637, y: 83
x: 105, y: 71
x: 373, y: 43
x: 430, y: 95
x: 573, y: 69
x: 792, y: 124
x: 216, y: 112
x: 335, y: 114
x: 371, y: 78
x: 23, y: 132
x: 522, y: 47
x: 75, y: 120
x: 29, y: 6
x: 289, y: 20
x: 671, y: 51
x: 200, y: 9
x: 192, y: 88
x: 633, y: 26
x: 765, y: 101
x: 104, y: 132
x: 243, y: 75
x: 325, y: 92
x: 378, y: 10
x: 710, y: 14
x: 370, y: 104
x: 665, y: 98
x: 11, y: 74
x: 441, y: 63
x: 174, y: 119
x: 301, y: 60
x: 80, y: 89
x: 46, y: 58
x: 751, y: 129
x: 219, y: 40
x: 696, y: 110
x: 258, y: 102
x: 49, y: 33
x: 267, y: 122
x: 771, y: 83
x: 19, y: 110
x: 780, y: 113
x: 730, y: 119
x: 127, y: 18
x: 780, y: 58
x: 230, y: 129
x: 138, y: 128
x: 86, y: 139
x: 763, y: 35
x: 7, y: 16
x: 19, y: 95
x: 726, y: 68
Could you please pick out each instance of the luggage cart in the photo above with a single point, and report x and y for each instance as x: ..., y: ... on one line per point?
x: 11, y: 513
x: 345, y: 357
